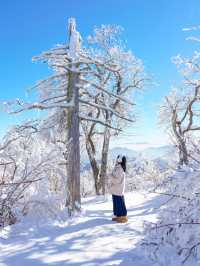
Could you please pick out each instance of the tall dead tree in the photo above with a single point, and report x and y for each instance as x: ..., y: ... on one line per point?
x: 73, y: 166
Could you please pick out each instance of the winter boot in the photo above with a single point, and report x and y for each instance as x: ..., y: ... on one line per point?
x: 122, y: 219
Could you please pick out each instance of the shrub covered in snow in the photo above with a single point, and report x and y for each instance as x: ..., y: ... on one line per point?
x: 32, y: 174
x: 143, y: 174
x: 178, y: 228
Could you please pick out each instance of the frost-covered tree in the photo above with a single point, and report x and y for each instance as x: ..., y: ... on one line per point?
x: 123, y: 80
x: 180, y: 109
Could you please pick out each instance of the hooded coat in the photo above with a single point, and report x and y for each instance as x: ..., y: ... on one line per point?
x: 117, y: 181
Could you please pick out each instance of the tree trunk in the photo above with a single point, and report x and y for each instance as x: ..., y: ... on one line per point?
x: 73, y: 201
x: 183, y: 154
x: 73, y: 166
x: 95, y: 168
x: 104, y: 160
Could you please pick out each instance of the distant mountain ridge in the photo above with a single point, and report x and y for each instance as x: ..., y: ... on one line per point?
x: 150, y: 153
x: 124, y: 151
x: 161, y: 156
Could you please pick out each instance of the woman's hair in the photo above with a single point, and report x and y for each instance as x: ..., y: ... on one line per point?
x: 122, y: 160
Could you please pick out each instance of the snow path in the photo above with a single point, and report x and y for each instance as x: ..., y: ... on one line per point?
x: 89, y: 240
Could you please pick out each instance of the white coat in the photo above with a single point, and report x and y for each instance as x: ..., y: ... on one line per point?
x: 116, y: 185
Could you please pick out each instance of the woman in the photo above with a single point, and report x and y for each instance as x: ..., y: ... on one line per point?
x: 116, y: 188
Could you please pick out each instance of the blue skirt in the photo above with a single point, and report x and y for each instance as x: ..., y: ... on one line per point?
x: 119, y: 207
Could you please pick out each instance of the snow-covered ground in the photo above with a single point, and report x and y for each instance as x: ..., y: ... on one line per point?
x: 91, y: 239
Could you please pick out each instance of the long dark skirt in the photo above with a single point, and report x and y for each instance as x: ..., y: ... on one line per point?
x: 119, y: 207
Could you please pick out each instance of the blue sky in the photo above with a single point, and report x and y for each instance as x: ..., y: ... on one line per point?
x: 152, y: 29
